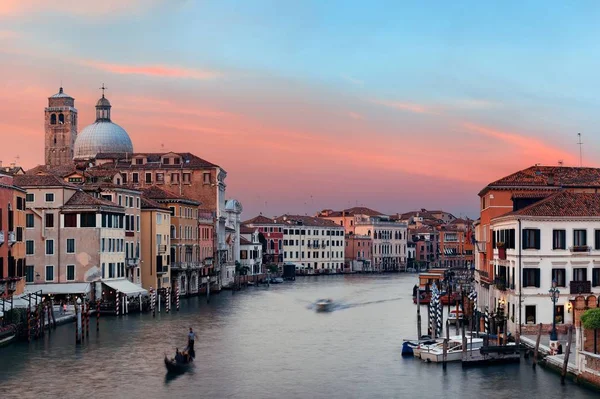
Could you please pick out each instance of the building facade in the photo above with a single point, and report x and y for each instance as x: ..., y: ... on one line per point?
x: 313, y: 244
x: 155, y: 237
x: 555, y: 240
x: 389, y: 239
x: 12, y: 237
x: 251, y: 251
x: 456, y: 244
x: 515, y: 192
x: 184, y: 249
x: 358, y: 253
x: 272, y: 232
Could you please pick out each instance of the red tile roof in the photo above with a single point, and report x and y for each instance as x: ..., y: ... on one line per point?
x: 81, y: 198
x: 563, y: 204
x: 262, y: 220
x: 357, y: 210
x: 299, y: 220
x: 158, y: 194
x: 121, y: 160
x: 534, y: 194
x: 147, y: 203
x: 548, y: 176
x: 244, y: 241
x: 247, y: 230
x: 40, y: 181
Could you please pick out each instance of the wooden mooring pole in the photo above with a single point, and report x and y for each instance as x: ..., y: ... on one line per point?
x: 446, y: 340
x: 537, y: 346
x: 563, y: 373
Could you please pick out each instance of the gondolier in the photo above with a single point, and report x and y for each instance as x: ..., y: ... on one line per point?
x: 191, y: 338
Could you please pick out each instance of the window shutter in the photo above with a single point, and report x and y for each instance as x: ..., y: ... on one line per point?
x: 524, y: 237
x: 537, y: 240
x: 537, y: 277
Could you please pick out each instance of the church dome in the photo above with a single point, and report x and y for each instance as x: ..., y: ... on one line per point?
x: 101, y: 136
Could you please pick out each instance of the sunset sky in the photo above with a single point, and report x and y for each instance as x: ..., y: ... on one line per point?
x: 394, y: 105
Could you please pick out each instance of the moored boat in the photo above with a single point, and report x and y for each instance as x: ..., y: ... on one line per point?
x: 435, y: 353
x: 410, y: 345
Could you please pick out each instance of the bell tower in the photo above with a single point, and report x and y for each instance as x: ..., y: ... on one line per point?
x: 60, y: 124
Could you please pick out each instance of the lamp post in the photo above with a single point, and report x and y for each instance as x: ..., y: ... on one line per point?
x: 554, y: 293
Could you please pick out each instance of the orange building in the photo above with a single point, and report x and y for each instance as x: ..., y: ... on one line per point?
x: 12, y: 244
x: 455, y: 244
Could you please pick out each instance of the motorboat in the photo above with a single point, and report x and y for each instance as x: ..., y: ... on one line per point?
x: 277, y: 280
x: 410, y: 345
x: 324, y: 305
x: 435, y: 353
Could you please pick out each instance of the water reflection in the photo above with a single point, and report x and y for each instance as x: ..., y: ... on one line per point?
x: 264, y: 343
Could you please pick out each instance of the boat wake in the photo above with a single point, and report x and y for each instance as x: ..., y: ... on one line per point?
x: 339, y: 305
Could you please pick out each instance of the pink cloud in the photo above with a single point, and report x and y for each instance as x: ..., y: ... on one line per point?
x: 76, y: 7
x: 153, y: 70
x: 532, y: 147
x: 355, y: 115
x: 404, y: 106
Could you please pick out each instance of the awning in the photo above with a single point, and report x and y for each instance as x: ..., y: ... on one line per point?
x: 125, y: 286
x: 21, y: 301
x: 59, y: 288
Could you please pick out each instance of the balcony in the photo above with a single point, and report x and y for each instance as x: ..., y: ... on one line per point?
x: 580, y: 287
x: 162, y: 249
x: 580, y: 249
x: 162, y: 269
x: 1, y: 237
x: 500, y: 283
x: 12, y: 238
x: 179, y: 265
x: 132, y: 262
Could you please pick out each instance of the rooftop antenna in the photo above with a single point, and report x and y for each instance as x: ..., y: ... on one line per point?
x: 580, y: 153
x: 560, y: 163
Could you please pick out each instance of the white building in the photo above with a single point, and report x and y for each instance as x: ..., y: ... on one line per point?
x: 250, y: 250
x: 233, y: 210
x: 389, y: 241
x: 557, y: 238
x: 313, y: 243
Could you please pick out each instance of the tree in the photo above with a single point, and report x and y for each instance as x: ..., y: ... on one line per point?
x: 273, y: 268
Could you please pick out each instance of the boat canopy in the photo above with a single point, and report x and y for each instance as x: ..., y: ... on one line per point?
x: 126, y: 287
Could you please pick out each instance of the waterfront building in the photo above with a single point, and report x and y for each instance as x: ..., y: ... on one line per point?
x: 348, y: 217
x: 426, y: 239
x: 105, y: 149
x: 184, y: 250
x: 424, y: 217
x: 155, y: 236
x: 130, y: 200
x: 207, y: 240
x: 456, y: 244
x: 411, y: 253
x: 74, y: 240
x: 251, y: 250
x: 512, y: 193
x: 358, y: 253
x: 389, y: 240
x: 313, y: 244
x: 556, y: 239
x: 272, y: 232
x: 231, y: 255
x: 12, y: 232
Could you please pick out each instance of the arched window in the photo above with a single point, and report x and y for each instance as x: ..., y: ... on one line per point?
x: 173, y: 232
x: 172, y: 254
x: 53, y: 119
x: 61, y: 119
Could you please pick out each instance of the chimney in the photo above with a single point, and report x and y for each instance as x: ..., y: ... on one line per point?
x: 551, y: 179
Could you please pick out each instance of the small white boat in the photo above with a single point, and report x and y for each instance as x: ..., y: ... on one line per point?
x: 452, y: 316
x: 435, y: 353
x: 323, y: 305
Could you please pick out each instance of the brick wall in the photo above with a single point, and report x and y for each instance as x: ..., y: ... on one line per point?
x: 532, y: 329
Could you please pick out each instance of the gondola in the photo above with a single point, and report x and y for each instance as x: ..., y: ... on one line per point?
x: 174, y: 366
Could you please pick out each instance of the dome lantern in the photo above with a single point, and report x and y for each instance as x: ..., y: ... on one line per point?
x: 103, y: 108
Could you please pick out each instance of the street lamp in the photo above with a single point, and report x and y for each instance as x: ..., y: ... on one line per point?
x: 554, y: 293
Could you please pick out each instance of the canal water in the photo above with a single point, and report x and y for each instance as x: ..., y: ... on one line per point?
x: 266, y: 343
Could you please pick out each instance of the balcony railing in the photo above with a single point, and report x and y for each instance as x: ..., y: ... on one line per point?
x: 132, y: 262
x: 162, y: 249
x: 162, y: 269
x: 12, y: 237
x: 580, y: 248
x: 580, y: 287
x: 500, y: 283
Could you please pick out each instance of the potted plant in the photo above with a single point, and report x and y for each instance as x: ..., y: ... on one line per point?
x: 530, y: 320
x: 501, y: 250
